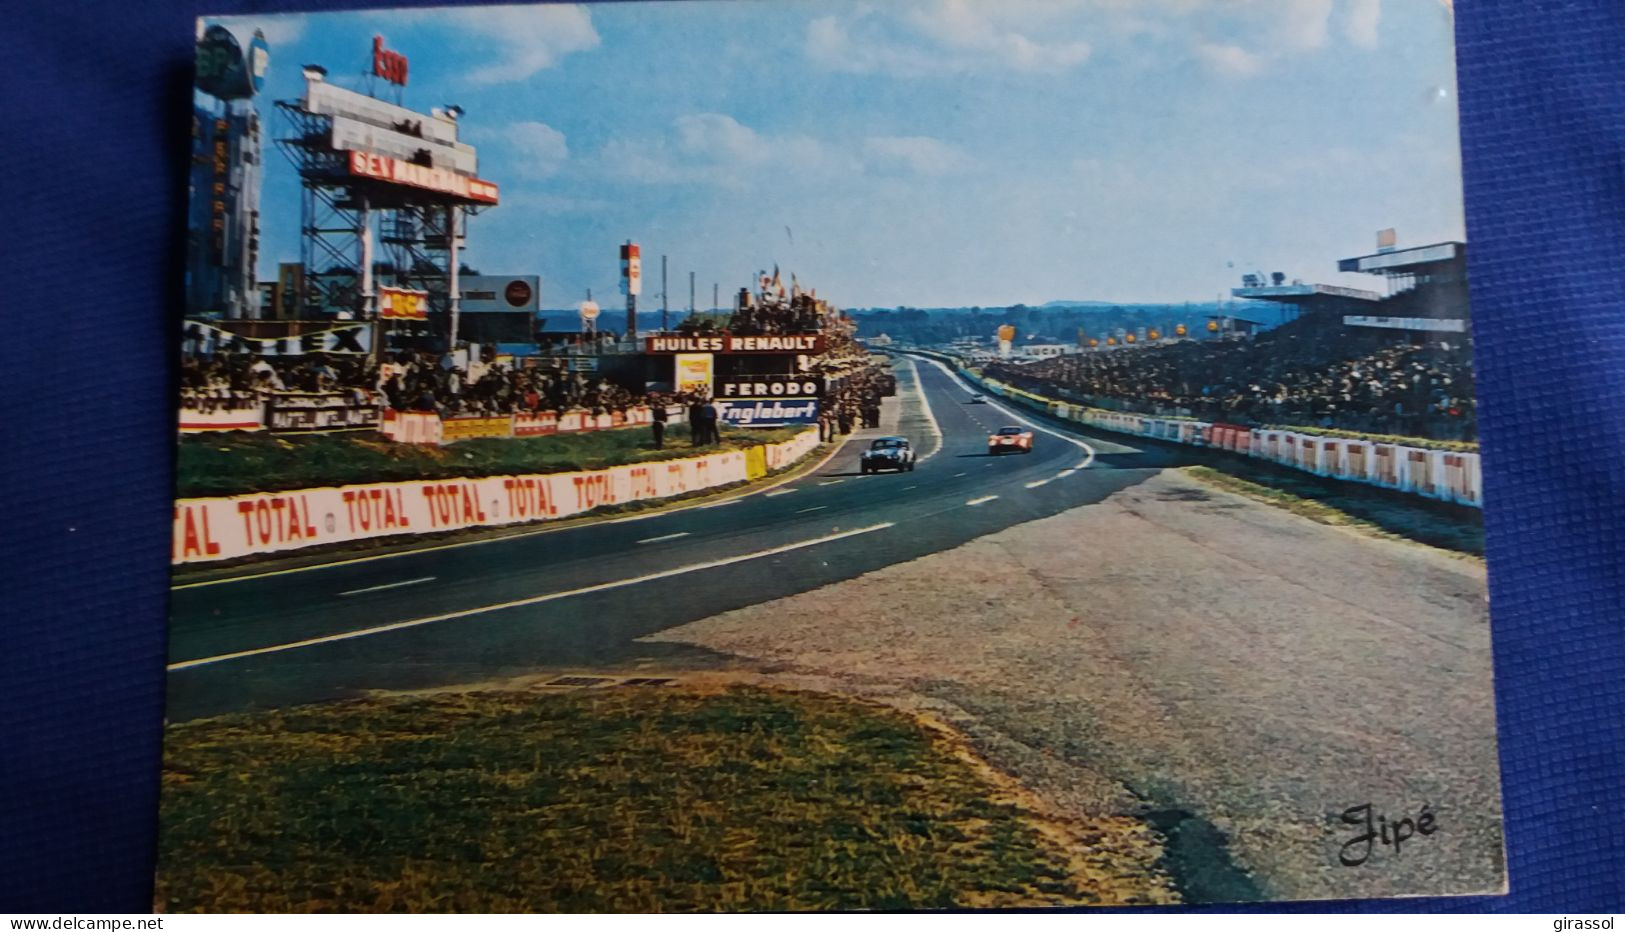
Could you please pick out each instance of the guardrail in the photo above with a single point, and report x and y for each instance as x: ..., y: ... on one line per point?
x: 1440, y: 474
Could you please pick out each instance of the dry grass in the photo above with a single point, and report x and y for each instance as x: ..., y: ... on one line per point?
x: 621, y: 799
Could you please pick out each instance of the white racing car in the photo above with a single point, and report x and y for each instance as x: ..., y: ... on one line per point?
x: 887, y: 453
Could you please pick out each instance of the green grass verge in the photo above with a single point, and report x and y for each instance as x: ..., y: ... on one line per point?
x: 613, y: 799
x: 239, y: 462
x: 1456, y: 528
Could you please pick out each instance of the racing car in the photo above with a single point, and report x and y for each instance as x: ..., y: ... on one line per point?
x: 887, y: 453
x: 1010, y: 440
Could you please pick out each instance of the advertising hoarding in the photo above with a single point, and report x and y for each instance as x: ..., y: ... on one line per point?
x: 770, y: 386
x: 402, y: 303
x: 379, y: 167
x: 764, y: 413
x: 484, y: 294
x: 731, y: 343
x: 693, y: 372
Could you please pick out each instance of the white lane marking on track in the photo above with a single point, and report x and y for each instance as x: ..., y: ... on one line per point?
x: 907, y: 487
x: 780, y: 492
x: 925, y: 408
x: 832, y: 482
x: 1088, y: 450
x: 393, y: 585
x: 656, y: 540
x: 1038, y: 482
x: 981, y: 501
x: 533, y: 600
x: 958, y: 474
x: 731, y: 501
x: 813, y: 508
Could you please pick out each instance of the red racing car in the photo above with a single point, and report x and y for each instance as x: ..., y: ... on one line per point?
x: 1010, y: 440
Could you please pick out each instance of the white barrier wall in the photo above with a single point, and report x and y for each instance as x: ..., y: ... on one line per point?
x: 1438, y: 474
x: 208, y: 529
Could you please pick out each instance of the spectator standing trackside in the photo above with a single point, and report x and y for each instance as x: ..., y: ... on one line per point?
x: 696, y: 423
x: 658, y: 412
x: 709, y: 415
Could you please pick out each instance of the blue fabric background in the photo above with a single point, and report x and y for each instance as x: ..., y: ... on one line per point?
x: 95, y: 126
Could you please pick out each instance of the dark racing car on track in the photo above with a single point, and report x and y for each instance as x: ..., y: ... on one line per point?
x: 1010, y: 440
x: 887, y: 453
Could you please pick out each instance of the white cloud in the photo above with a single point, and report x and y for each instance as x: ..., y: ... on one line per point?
x: 920, y: 154
x: 1229, y: 59
x: 1360, y: 21
x: 539, y: 149
x: 714, y: 148
x: 944, y: 36
x: 520, y: 40
x: 1300, y: 25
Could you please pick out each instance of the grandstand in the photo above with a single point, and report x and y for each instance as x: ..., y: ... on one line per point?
x: 1399, y: 363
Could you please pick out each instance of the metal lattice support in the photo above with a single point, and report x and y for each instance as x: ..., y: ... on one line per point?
x: 332, y: 219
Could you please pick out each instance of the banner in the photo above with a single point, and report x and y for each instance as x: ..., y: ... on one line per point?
x: 301, y: 411
x: 346, y: 339
x: 767, y: 413
x: 454, y: 429
x: 812, y: 343
x: 208, y: 529
x: 770, y: 386
x: 535, y: 425
x: 411, y: 426
x: 692, y: 372
x: 244, y: 418
x: 402, y: 304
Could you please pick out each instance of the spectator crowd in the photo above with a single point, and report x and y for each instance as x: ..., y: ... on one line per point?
x: 1306, y: 373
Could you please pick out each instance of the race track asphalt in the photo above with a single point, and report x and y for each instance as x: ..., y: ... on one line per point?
x: 579, y: 597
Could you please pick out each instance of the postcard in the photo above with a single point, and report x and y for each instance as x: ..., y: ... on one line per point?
x: 707, y: 456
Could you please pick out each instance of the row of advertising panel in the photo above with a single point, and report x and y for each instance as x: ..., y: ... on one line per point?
x: 423, y: 427
x: 1438, y: 474
x: 212, y: 529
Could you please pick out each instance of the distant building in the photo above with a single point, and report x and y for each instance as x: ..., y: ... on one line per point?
x: 223, y: 219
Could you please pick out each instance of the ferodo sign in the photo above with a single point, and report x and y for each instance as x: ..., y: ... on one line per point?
x: 208, y: 529
x: 769, y: 387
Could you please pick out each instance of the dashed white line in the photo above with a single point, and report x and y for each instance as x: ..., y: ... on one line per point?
x: 393, y: 585
x: 958, y: 474
x: 813, y: 508
x: 907, y: 487
x: 982, y: 501
x: 1089, y: 452
x: 731, y: 501
x: 779, y: 492
x: 832, y: 481
x: 656, y: 540
x: 533, y: 600
x: 1038, y: 482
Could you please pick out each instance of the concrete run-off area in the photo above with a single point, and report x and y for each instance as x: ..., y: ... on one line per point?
x: 1241, y: 678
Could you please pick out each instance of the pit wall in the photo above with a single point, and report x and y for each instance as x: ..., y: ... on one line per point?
x: 1443, y: 475
x: 212, y: 529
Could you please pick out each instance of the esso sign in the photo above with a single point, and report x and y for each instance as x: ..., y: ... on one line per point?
x: 391, y: 66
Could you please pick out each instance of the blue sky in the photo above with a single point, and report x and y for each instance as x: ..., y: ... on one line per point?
x: 933, y: 153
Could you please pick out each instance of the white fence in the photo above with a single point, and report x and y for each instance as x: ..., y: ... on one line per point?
x: 1432, y: 473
